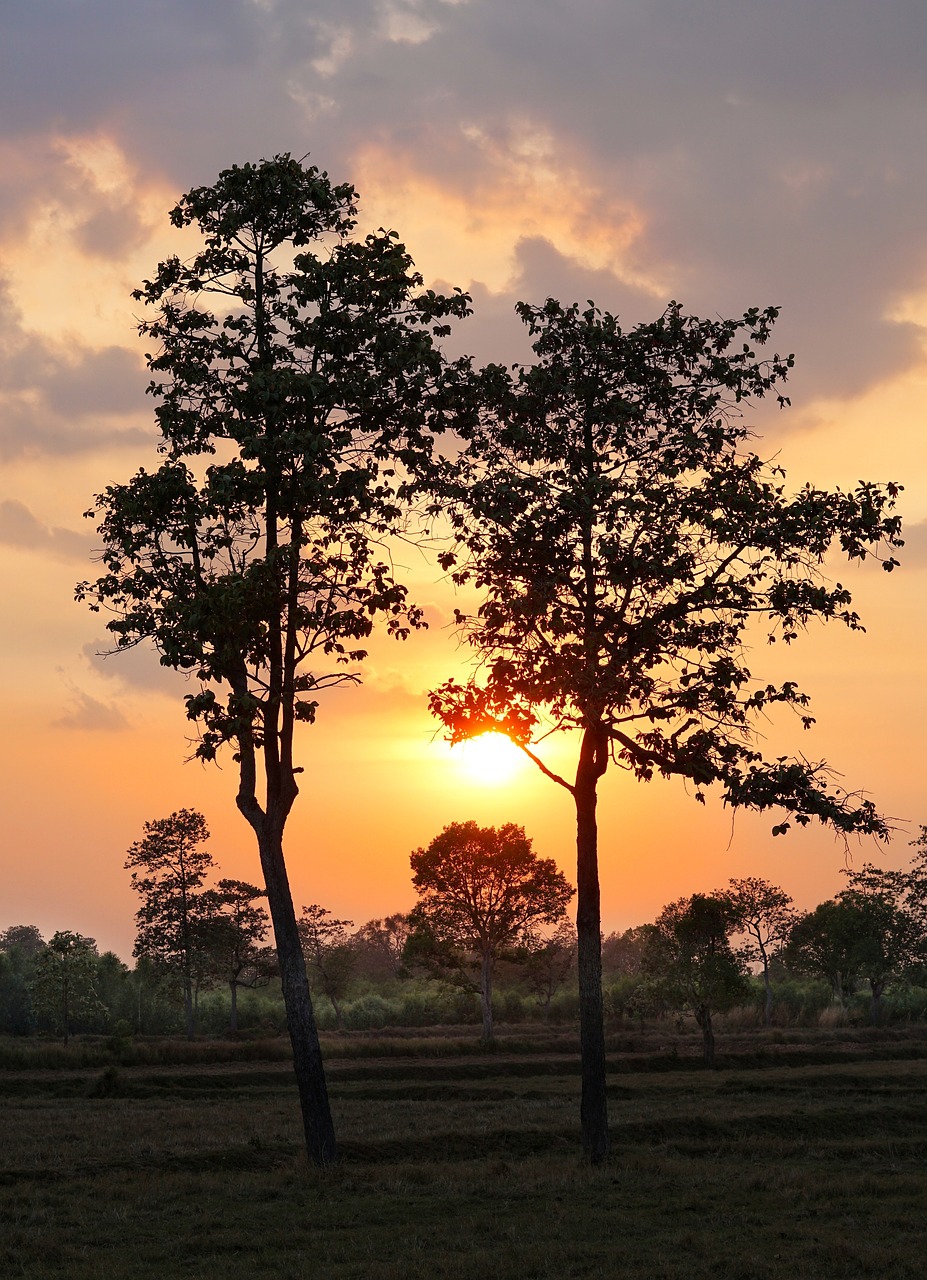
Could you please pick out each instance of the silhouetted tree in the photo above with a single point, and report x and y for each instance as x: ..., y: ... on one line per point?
x: 380, y: 947
x: 26, y: 939
x: 548, y: 962
x: 169, y: 869
x: 481, y: 890
x: 20, y: 944
x: 330, y: 954
x: 231, y: 934
x: 823, y: 944
x: 763, y: 912
x: 888, y: 941
x: 689, y: 954
x: 625, y: 537
x: 628, y: 990
x: 294, y: 369
x: 63, y: 984
x: 914, y: 887
x: 112, y: 983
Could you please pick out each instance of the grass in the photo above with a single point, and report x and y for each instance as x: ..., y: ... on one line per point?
x: 804, y: 1160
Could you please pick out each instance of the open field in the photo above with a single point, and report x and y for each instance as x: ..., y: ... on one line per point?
x: 803, y: 1155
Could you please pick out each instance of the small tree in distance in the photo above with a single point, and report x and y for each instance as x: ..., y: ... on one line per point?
x: 689, y: 955
x: 169, y: 868
x: 888, y: 940
x: 625, y: 536
x: 232, y: 934
x: 25, y: 939
x: 380, y: 946
x: 822, y: 944
x: 548, y: 961
x: 763, y: 912
x: 481, y: 891
x: 63, y: 984
x: 330, y: 954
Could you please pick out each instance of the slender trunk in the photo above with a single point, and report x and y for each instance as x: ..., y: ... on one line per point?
x: 65, y: 1002
x: 767, y: 1007
x: 318, y: 1126
x: 703, y: 1018
x: 188, y: 1005
x: 233, y: 1013
x: 875, y: 1008
x: 593, y: 1106
x: 486, y: 996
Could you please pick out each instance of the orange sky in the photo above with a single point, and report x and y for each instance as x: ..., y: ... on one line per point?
x: 775, y: 165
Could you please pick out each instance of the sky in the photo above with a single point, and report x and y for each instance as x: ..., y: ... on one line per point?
x: 723, y: 154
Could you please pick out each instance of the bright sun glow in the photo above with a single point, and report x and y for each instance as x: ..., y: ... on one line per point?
x: 491, y: 759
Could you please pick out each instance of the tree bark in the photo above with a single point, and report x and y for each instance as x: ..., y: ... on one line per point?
x: 593, y: 1106
x: 875, y: 1008
x: 233, y: 1013
x: 703, y: 1018
x: 318, y: 1126
x: 486, y: 996
x: 767, y: 1007
x: 188, y: 1006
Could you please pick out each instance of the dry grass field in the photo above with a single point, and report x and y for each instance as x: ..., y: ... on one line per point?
x: 803, y: 1155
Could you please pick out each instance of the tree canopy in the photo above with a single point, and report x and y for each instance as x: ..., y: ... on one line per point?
x: 295, y: 370
x: 688, y: 952
x: 480, y: 890
x: 627, y: 542
x: 169, y: 866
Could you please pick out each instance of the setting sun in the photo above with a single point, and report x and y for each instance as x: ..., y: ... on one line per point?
x: 490, y: 759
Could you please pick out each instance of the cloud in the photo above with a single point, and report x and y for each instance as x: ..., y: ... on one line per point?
x: 64, y: 399
x: 20, y: 528
x: 135, y: 668
x: 88, y: 714
x: 913, y: 555
x: 726, y: 155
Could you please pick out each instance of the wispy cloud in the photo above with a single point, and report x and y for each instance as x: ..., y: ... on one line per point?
x: 913, y: 554
x: 87, y: 713
x: 20, y: 528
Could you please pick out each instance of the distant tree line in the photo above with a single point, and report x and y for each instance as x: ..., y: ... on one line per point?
x: 489, y: 938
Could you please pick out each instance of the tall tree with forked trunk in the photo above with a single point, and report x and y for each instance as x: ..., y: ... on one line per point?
x: 294, y: 367
x: 625, y: 537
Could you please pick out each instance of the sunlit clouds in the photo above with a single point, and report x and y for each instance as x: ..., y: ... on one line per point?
x: 522, y: 189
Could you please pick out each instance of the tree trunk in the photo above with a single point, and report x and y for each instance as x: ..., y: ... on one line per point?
x: 703, y: 1018
x: 767, y: 1007
x: 65, y: 1002
x: 486, y: 996
x: 233, y: 1012
x: 188, y: 1006
x: 304, y: 1037
x: 593, y: 1107
x: 875, y: 1008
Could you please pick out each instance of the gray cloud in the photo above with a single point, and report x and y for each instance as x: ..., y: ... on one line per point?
x: 64, y: 402
x: 135, y: 668
x: 87, y: 713
x: 20, y: 528
x: 777, y: 153
x: 913, y: 554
